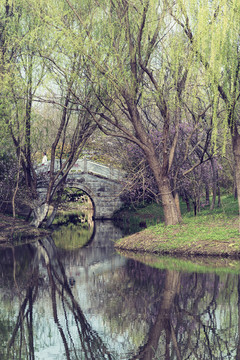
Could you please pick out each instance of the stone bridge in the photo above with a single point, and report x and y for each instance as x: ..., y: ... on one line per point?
x: 103, y: 184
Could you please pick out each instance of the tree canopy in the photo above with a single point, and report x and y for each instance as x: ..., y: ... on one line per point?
x: 130, y: 68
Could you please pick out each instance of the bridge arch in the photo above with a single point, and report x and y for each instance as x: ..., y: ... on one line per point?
x: 101, y: 183
x: 104, y: 193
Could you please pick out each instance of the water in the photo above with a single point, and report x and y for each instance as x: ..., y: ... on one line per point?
x: 72, y: 302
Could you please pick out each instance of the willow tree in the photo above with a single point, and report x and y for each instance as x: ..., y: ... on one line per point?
x: 35, y: 58
x: 19, y: 82
x: 65, y: 82
x: 212, y: 30
x: 136, y: 74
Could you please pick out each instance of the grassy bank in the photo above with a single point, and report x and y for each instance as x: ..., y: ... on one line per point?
x: 210, y: 233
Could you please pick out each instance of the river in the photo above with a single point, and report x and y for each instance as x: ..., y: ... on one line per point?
x: 71, y: 296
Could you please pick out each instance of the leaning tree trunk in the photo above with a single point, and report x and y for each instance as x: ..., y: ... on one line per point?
x: 52, y: 216
x: 55, y: 207
x: 39, y: 213
x: 172, y: 215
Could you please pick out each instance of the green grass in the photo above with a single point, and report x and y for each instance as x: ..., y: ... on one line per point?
x: 210, y: 232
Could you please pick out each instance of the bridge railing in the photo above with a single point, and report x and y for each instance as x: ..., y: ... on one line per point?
x: 86, y: 166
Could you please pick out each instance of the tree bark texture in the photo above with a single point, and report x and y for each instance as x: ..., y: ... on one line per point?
x: 171, y: 214
x: 236, y: 154
x: 214, y: 186
x: 39, y: 214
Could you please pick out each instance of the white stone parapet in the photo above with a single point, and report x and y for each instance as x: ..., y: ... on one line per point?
x: 86, y: 166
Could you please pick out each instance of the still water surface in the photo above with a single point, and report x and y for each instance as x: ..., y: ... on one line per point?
x: 71, y: 302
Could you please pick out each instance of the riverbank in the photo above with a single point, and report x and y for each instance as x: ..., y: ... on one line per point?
x: 14, y: 231
x: 211, y: 233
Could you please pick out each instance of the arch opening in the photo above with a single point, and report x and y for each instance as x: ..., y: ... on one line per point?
x: 73, y: 223
x: 76, y: 200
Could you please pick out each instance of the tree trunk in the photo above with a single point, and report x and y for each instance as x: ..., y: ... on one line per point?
x: 235, y: 190
x: 186, y: 199
x: 17, y: 186
x: 195, y: 207
x: 171, y: 214
x: 207, y: 193
x: 159, y: 168
x: 214, y: 189
x: 39, y: 214
x: 218, y: 191
x: 177, y: 202
x: 236, y: 154
x: 52, y: 217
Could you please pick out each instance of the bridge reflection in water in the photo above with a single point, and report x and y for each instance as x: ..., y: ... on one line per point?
x: 117, y: 308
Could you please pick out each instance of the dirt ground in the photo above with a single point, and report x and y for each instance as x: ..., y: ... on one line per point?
x: 14, y: 231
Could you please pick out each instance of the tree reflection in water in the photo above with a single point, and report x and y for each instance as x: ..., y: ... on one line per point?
x: 189, y: 315
x: 167, y: 314
x: 92, y: 347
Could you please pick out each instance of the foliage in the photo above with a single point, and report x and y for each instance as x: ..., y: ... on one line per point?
x: 214, y: 41
x: 142, y: 186
x: 73, y: 195
x: 159, y: 74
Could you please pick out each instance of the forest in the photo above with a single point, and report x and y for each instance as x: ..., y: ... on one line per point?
x: 148, y: 86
